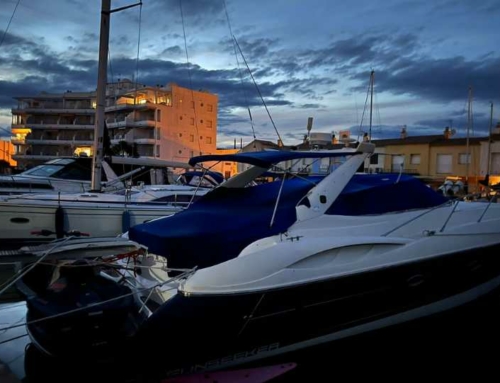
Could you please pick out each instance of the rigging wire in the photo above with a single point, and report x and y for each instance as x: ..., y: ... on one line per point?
x: 239, y: 71
x: 378, y: 113
x: 363, y: 114
x: 10, y: 21
x: 258, y: 90
x: 190, y: 79
x: 137, y: 58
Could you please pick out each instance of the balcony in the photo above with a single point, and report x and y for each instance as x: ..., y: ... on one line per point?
x: 120, y: 107
x: 59, y: 142
x: 145, y: 141
x: 60, y: 126
x: 57, y: 111
x: 39, y: 157
x: 129, y: 123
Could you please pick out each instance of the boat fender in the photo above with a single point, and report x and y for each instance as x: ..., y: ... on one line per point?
x: 125, y: 221
x: 59, y: 226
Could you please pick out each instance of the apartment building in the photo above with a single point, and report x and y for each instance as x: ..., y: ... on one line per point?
x: 167, y: 122
x: 171, y: 122
x: 48, y: 126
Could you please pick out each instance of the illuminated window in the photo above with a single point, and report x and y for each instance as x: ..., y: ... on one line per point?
x: 83, y: 151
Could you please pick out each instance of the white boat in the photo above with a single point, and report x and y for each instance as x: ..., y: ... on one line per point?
x: 34, y: 218
x: 66, y: 175
x: 329, y: 277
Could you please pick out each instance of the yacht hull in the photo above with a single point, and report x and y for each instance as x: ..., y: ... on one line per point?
x: 98, y: 220
x: 218, y: 331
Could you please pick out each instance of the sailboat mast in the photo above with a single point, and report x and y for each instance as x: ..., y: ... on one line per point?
x: 468, y: 160
x: 372, y: 76
x: 488, y: 163
x: 101, y: 95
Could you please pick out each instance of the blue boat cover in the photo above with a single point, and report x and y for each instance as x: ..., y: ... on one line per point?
x: 224, y: 221
x: 266, y: 159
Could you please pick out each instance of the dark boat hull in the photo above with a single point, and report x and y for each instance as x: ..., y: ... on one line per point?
x: 219, y: 331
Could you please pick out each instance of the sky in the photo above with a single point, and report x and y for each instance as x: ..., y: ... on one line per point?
x: 289, y: 60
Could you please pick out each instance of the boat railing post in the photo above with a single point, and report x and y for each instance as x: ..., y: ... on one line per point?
x: 449, y: 216
x: 414, y: 218
x: 486, y: 209
x: 278, y: 199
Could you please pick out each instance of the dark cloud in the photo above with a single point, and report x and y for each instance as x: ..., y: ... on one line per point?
x: 173, y: 51
x: 309, y: 106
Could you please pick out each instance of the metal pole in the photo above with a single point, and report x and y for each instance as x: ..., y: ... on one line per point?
x: 101, y: 95
x: 468, y: 150
x: 372, y: 76
x: 488, y: 164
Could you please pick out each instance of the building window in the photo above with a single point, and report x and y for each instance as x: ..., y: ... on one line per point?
x: 464, y: 158
x: 191, y: 121
x: 201, y: 137
x: 208, y: 124
x: 158, y: 133
x: 397, y: 163
x: 374, y: 159
x: 201, y: 104
x: 209, y: 107
x: 201, y: 121
x: 415, y: 159
x: 180, y: 134
x: 157, y: 150
x: 158, y: 115
x: 191, y: 137
x: 444, y: 163
x: 180, y: 118
x: 208, y: 140
x: 192, y: 104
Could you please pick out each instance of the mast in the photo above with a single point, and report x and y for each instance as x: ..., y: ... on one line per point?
x: 101, y: 95
x: 102, y: 80
x: 372, y: 77
x: 488, y: 163
x: 467, y: 163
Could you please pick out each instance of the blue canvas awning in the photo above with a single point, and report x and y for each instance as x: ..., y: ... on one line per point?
x: 266, y: 159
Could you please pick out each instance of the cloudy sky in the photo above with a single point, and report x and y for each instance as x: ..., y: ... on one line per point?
x: 308, y: 59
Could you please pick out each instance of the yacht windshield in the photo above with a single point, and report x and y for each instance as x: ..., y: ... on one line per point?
x: 64, y: 168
